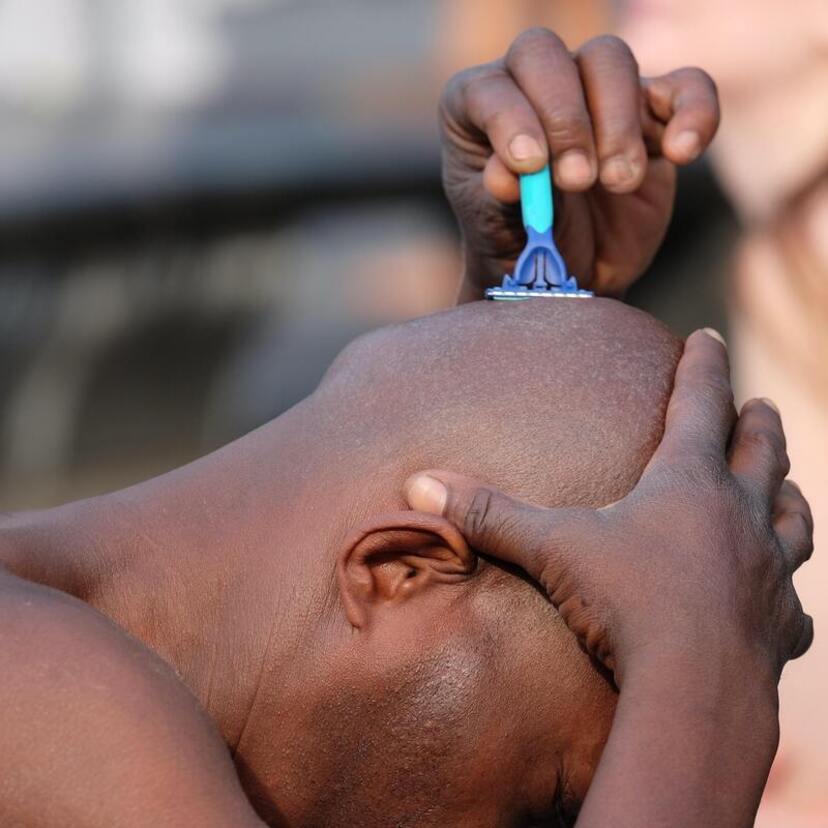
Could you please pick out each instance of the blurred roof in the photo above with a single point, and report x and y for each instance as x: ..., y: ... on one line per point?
x: 106, y: 103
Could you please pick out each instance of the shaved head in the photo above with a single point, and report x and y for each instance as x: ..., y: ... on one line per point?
x: 561, y: 402
x: 464, y: 700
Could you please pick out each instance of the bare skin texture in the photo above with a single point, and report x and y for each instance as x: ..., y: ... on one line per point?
x: 364, y: 664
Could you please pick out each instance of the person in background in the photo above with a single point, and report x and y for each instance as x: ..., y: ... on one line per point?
x: 770, y: 61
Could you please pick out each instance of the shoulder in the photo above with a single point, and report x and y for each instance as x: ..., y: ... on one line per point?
x: 95, y: 729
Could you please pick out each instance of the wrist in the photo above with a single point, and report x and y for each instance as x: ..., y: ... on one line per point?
x: 702, y: 652
x: 727, y: 688
x: 685, y: 750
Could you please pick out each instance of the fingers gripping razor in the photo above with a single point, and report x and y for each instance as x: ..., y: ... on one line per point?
x: 540, y: 271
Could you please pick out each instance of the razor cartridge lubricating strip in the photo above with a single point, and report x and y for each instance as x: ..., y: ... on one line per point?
x: 540, y: 271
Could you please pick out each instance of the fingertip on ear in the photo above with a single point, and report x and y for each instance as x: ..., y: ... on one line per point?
x: 426, y: 493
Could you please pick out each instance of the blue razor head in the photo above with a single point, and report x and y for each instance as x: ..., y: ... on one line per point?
x: 540, y: 264
x: 539, y: 272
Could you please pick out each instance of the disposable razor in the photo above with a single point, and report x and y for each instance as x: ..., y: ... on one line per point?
x: 540, y: 271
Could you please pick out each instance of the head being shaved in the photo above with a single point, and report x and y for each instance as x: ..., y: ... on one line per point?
x: 559, y: 401
x: 460, y: 698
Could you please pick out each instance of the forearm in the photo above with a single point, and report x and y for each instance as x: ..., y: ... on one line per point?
x: 687, y: 748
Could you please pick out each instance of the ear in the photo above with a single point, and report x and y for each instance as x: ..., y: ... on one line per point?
x: 393, y: 558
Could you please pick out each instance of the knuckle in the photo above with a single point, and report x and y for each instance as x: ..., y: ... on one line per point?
x: 499, y: 120
x: 476, y: 519
x: 493, y: 121
x: 476, y: 86
x: 695, y: 77
x: 534, y: 40
x: 804, y: 536
x: 804, y: 527
x: 790, y: 497
x: 800, y: 502
x: 455, y: 88
x: 465, y: 88
x: 703, y: 79
x: 718, y: 385
x: 566, y: 125
x: 805, y: 636
x: 711, y: 473
x: 695, y: 86
x: 711, y: 393
x: 541, y: 569
x: 605, y: 44
x: 759, y: 439
x: 766, y: 445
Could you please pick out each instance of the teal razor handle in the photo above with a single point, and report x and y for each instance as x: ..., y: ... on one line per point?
x: 536, y: 202
x: 540, y: 270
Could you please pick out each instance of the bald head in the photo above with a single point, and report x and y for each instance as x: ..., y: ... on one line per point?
x: 559, y: 401
x: 454, y: 690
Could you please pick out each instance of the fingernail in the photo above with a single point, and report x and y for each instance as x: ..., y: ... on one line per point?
x: 426, y: 494
x: 770, y: 404
x: 573, y: 168
x: 525, y: 148
x: 687, y: 143
x: 617, y: 172
x: 716, y: 335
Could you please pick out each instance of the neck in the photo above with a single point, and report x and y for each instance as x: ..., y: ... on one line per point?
x: 773, y: 142
x: 200, y: 564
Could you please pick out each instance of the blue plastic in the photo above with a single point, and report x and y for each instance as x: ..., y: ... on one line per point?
x: 536, y: 200
x: 540, y: 270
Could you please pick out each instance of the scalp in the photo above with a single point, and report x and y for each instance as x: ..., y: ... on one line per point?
x: 560, y: 401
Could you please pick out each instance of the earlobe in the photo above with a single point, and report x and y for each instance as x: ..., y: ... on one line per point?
x: 392, y: 558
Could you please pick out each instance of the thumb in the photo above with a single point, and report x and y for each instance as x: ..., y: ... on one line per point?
x: 491, y: 521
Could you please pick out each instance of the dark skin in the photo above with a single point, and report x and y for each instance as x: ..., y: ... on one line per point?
x: 614, y: 140
x: 362, y: 663
x: 97, y: 730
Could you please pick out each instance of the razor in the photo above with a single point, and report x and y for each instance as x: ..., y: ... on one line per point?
x: 540, y: 271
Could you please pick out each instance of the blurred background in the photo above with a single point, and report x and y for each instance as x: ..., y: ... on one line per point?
x: 202, y: 201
